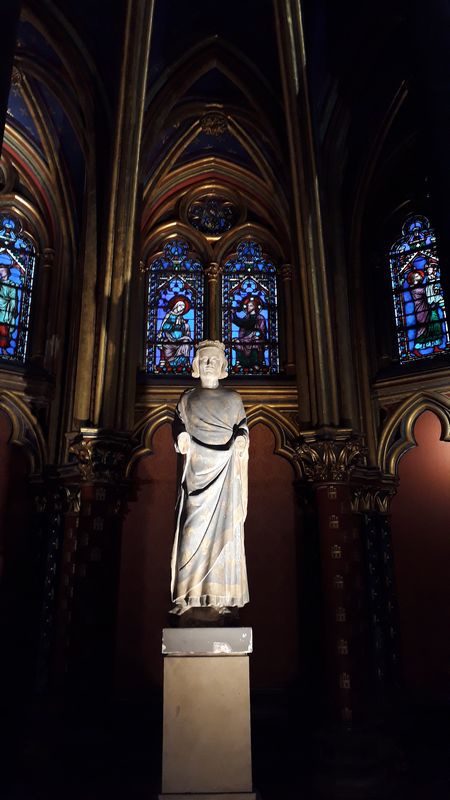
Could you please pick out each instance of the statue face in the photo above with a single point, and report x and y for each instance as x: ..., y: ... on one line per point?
x: 209, y: 365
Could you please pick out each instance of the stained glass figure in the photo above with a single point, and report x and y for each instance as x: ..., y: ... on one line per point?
x: 175, y: 309
x: 418, y: 300
x: 212, y: 215
x: 249, y: 311
x: 17, y: 263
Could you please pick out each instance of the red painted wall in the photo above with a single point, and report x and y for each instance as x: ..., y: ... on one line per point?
x: 271, y: 535
x: 421, y: 543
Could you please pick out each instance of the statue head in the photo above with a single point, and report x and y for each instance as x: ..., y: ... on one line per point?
x: 210, y: 363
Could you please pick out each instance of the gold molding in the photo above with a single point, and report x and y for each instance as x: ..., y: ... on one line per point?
x: 153, y: 243
x: 397, y: 436
x: 257, y: 195
x: 285, y: 431
x: 228, y: 241
x: 282, y: 396
x: 214, y: 189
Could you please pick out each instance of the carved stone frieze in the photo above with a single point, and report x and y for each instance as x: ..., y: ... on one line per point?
x: 330, y: 458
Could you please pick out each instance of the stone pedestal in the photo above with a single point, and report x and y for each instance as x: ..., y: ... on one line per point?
x: 206, y: 728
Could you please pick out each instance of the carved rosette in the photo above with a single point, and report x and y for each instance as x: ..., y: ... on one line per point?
x: 101, y: 456
x: 214, y: 123
x: 327, y: 459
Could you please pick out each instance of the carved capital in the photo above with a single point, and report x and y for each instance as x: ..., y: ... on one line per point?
x: 48, y: 258
x: 101, y: 455
x: 372, y: 490
x: 214, y: 123
x: 326, y: 458
x: 214, y: 271
x: 286, y: 272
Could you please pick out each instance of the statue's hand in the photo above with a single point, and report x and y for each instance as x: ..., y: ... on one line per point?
x: 241, y: 445
x: 183, y: 442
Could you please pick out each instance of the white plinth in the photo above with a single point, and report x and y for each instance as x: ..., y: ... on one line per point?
x: 206, y: 728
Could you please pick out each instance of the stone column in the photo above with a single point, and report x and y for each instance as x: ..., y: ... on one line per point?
x: 117, y: 354
x: 90, y: 561
x: 48, y: 528
x: 318, y: 396
x: 286, y: 277
x: 213, y: 273
x: 45, y: 277
x: 371, y: 498
x: 326, y: 459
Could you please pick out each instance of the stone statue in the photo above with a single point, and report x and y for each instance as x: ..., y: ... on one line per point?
x: 210, y: 429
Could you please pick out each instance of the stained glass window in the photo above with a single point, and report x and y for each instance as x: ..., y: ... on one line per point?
x: 17, y: 263
x: 175, y: 309
x: 418, y: 300
x: 249, y: 311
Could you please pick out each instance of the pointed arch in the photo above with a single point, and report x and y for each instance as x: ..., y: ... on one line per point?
x: 25, y: 431
x: 284, y: 431
x: 212, y: 53
x: 144, y: 431
x: 398, y: 434
x: 155, y: 240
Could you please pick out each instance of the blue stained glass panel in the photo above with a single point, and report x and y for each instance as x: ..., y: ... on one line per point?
x: 419, y: 305
x: 249, y: 312
x: 175, y: 309
x: 17, y: 264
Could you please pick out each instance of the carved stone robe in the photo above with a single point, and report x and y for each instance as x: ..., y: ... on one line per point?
x: 208, y: 557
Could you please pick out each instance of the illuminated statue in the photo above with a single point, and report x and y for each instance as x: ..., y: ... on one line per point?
x: 208, y: 558
x: 8, y: 308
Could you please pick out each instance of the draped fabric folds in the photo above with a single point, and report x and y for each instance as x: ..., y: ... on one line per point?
x: 208, y: 557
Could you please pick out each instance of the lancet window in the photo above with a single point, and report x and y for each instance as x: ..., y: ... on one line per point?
x: 420, y: 312
x: 175, y: 309
x: 249, y: 311
x: 245, y: 302
x: 17, y: 266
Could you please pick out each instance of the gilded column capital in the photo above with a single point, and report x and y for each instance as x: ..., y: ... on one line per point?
x: 213, y: 271
x: 286, y: 271
x: 372, y: 491
x: 101, y: 455
x: 48, y: 258
x: 330, y: 458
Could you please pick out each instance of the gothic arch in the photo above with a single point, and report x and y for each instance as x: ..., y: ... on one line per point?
x: 25, y: 431
x: 144, y: 431
x: 398, y: 434
x: 210, y: 54
x: 284, y: 431
x: 229, y: 241
x: 154, y: 242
